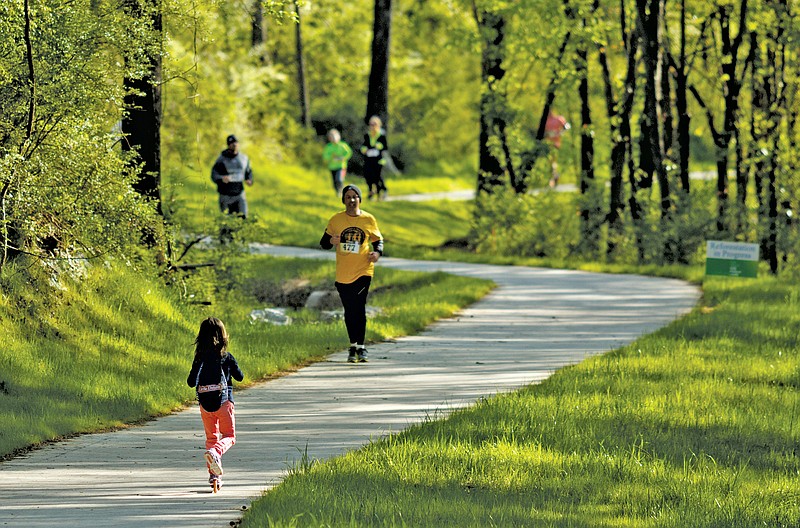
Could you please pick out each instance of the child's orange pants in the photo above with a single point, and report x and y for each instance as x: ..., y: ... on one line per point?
x: 220, y: 427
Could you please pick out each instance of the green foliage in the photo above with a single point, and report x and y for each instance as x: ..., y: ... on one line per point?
x: 65, y: 187
x: 548, y: 225
x: 678, y: 239
x: 218, y: 85
x: 211, y: 64
x: 434, y: 85
x: 542, y: 225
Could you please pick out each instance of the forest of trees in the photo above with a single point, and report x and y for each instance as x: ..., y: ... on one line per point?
x: 656, y: 90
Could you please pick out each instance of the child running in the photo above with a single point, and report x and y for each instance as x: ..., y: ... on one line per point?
x: 211, y: 373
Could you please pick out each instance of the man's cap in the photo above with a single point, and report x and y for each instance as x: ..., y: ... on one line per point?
x: 232, y: 139
x: 351, y: 188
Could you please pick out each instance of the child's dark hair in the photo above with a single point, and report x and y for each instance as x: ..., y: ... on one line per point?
x: 212, y: 340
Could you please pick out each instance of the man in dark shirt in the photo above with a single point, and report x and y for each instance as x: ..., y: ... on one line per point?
x: 230, y: 172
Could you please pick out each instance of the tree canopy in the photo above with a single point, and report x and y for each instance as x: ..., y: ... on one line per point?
x: 656, y: 90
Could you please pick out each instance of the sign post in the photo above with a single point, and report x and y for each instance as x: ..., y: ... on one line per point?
x: 731, y: 259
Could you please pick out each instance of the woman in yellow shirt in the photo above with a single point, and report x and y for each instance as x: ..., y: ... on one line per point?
x: 359, y: 244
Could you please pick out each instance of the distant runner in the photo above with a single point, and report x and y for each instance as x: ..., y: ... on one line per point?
x: 335, y: 154
x: 374, y: 148
x: 231, y: 172
x: 553, y: 130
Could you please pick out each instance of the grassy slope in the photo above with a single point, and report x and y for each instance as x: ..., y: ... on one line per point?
x: 291, y: 206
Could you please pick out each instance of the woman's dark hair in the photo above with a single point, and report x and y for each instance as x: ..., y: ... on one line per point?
x: 212, y: 340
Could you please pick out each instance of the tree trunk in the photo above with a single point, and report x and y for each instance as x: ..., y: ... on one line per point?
x: 587, y: 144
x: 668, y: 125
x: 491, y: 27
x: 589, y: 208
x: 770, y: 110
x: 378, y: 90
x: 620, y: 133
x: 31, y: 72
x: 258, y: 33
x: 791, y: 108
x: 742, y: 178
x: 772, y: 214
x: 519, y: 181
x: 731, y: 87
x: 758, y: 116
x: 141, y: 124
x: 305, y: 117
x: 682, y: 107
x: 651, y: 160
x: 720, y: 142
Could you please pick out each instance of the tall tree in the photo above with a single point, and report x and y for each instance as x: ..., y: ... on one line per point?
x: 769, y: 85
x: 378, y: 89
x: 141, y: 123
x: 619, y: 109
x: 302, y: 84
x: 666, y: 104
x: 651, y: 152
x: 589, y: 204
x: 258, y: 31
x: 681, y: 69
x: 731, y: 82
x: 63, y: 188
x: 491, y: 27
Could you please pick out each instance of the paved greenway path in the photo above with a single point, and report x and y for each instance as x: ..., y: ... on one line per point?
x: 535, y: 322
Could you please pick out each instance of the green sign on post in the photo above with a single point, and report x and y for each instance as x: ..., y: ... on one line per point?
x: 731, y: 259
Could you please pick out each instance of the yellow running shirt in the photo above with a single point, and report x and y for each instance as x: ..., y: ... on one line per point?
x: 357, y: 234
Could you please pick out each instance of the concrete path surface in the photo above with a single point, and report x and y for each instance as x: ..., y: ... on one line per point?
x: 535, y: 322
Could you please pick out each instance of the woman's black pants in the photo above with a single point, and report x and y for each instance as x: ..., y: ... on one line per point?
x: 354, y: 300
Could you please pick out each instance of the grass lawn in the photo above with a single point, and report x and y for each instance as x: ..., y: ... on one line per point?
x: 291, y: 206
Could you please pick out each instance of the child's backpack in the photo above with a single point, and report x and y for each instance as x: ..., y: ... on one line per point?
x: 211, y: 385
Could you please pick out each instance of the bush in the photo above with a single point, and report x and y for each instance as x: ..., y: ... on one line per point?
x: 526, y: 225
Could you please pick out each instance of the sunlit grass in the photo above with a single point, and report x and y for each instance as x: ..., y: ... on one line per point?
x: 291, y: 206
x: 696, y: 425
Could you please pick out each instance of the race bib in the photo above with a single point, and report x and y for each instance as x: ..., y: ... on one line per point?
x: 237, y: 176
x: 350, y: 247
x: 373, y: 153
